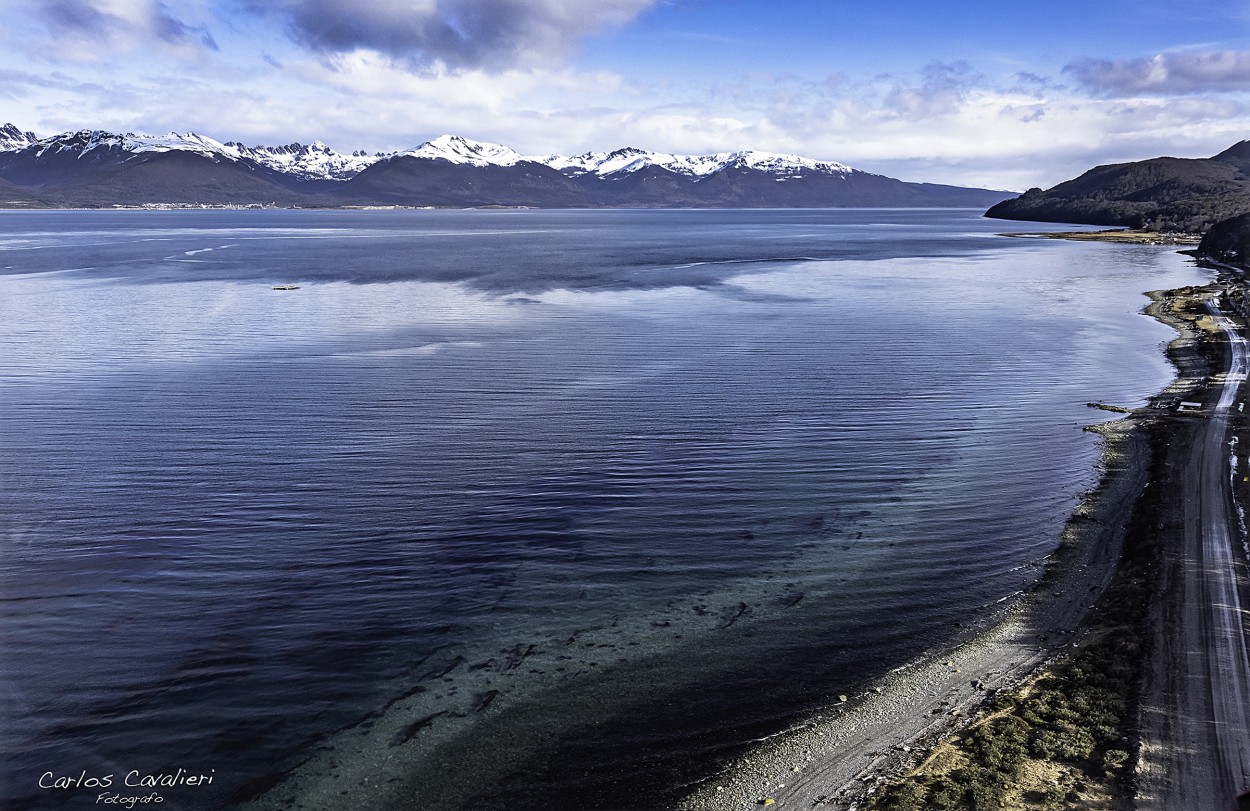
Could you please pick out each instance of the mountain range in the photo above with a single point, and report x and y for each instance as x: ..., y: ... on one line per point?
x: 1161, y: 194
x: 92, y: 168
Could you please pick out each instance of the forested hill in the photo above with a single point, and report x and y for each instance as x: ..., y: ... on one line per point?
x: 1228, y: 241
x: 1162, y: 194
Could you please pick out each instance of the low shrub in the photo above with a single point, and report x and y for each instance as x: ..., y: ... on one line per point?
x: 1114, y: 758
x: 1001, y: 745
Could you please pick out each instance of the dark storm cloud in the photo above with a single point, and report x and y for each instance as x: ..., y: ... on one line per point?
x: 491, y: 34
x: 1175, y: 74
x: 78, y: 16
x: 165, y: 26
x: 88, y: 18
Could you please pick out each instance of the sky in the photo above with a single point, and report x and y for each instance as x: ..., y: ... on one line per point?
x: 995, y: 94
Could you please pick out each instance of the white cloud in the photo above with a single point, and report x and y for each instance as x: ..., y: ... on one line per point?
x: 1169, y: 74
x: 949, y: 122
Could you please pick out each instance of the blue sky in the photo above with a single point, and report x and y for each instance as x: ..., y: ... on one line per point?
x: 1007, y: 95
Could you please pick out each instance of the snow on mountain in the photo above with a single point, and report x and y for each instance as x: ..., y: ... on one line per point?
x: 11, y: 138
x: 790, y: 165
x: 85, y: 142
x: 601, y: 163
x: 315, y: 161
x: 630, y: 159
x: 455, y: 149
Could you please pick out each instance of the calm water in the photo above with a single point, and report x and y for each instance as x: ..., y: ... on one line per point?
x: 517, y: 509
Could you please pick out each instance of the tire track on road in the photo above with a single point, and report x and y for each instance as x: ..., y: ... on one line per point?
x: 1196, y: 708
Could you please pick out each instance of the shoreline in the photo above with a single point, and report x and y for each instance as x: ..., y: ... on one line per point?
x: 1123, y: 236
x: 883, y: 735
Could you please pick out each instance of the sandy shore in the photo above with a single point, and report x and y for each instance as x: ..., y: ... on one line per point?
x: 1130, y: 237
x: 838, y: 758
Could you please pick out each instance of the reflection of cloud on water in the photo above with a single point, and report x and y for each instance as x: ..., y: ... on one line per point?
x: 627, y: 378
x: 422, y: 349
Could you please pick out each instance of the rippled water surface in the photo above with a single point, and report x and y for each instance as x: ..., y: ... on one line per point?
x: 513, y: 508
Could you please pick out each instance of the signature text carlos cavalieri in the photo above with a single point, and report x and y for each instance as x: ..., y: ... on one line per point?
x: 115, y: 791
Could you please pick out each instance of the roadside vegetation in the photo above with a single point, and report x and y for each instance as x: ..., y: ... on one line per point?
x: 1063, y: 739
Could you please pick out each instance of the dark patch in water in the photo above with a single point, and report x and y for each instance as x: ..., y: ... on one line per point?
x: 732, y: 615
x: 406, y: 734
x: 447, y: 668
x: 486, y: 699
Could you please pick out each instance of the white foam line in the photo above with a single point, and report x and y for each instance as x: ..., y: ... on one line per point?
x: 398, y: 234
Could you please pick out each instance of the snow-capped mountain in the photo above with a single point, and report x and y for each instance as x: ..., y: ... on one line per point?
x: 92, y: 167
x: 454, y: 149
x: 459, y: 150
x: 95, y: 142
x: 315, y: 161
x: 97, y: 168
x: 451, y: 170
x: 11, y: 138
x: 632, y: 159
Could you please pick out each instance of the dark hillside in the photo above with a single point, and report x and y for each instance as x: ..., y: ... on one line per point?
x: 407, y: 180
x: 1237, y: 155
x: 114, y: 176
x: 1228, y: 241
x: 1160, y: 194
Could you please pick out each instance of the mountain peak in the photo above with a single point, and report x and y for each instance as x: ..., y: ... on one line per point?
x: 458, y: 149
x: 88, y: 141
x: 13, y: 138
x: 788, y: 164
x: 697, y: 167
x: 1238, y: 155
x: 1240, y: 149
x: 312, y: 161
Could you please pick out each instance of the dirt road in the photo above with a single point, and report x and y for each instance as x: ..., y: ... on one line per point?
x: 1196, y: 702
